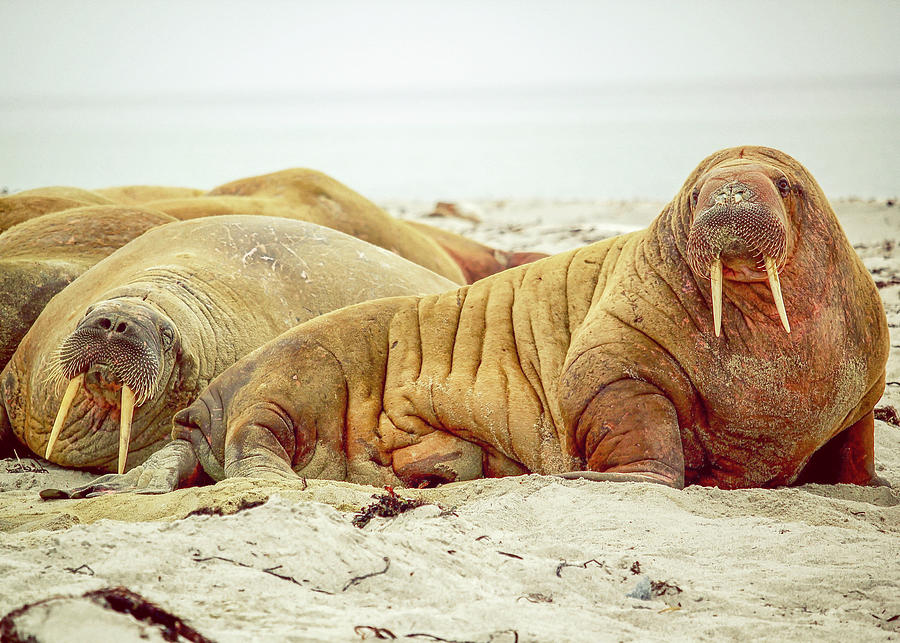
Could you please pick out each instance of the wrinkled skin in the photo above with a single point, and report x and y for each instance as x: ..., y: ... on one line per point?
x: 168, y: 312
x: 601, y: 362
x: 41, y: 256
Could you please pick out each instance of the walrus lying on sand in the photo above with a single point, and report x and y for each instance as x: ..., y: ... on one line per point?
x: 169, y: 312
x: 737, y: 342
x: 302, y: 194
x: 41, y: 256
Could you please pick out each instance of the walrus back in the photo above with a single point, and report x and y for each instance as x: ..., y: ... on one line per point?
x: 489, y: 356
x: 469, y: 362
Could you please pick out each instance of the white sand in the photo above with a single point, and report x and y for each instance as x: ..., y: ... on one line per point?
x: 527, y: 559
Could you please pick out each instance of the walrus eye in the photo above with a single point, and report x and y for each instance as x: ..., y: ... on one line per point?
x: 783, y: 186
x: 168, y: 337
x: 694, y: 196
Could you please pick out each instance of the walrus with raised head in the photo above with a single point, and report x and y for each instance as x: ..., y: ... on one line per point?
x: 41, y: 256
x: 166, y: 314
x: 738, y: 342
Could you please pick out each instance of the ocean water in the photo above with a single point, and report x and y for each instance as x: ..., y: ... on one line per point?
x: 617, y: 142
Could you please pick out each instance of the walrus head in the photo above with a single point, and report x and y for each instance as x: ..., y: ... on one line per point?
x: 741, y: 229
x: 119, y: 354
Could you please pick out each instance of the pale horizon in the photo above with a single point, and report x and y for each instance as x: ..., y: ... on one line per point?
x: 423, y: 99
x: 107, y: 47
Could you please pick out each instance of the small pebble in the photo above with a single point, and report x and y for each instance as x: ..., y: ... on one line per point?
x: 642, y: 589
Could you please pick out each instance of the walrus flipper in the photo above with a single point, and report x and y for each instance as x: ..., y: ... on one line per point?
x: 256, y: 447
x: 848, y: 458
x: 174, y: 465
x: 631, y: 428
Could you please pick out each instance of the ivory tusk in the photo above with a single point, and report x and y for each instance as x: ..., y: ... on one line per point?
x: 775, y: 285
x: 715, y: 282
x: 127, y: 412
x: 64, y: 407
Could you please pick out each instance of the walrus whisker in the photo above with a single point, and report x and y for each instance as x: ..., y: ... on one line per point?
x: 127, y: 413
x: 715, y: 281
x: 64, y: 407
x: 775, y: 285
x: 54, y: 375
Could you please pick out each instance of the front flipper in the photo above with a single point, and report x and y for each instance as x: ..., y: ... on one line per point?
x: 849, y: 458
x: 629, y: 432
x: 173, y: 465
x: 261, y: 443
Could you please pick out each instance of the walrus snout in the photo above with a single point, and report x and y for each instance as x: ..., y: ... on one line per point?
x: 740, y: 229
x: 126, y: 341
x: 129, y: 345
x: 740, y: 232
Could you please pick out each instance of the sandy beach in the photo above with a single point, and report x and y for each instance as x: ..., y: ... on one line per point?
x: 528, y: 558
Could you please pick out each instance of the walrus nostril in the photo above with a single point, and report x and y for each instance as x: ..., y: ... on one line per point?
x: 111, y: 323
x: 735, y: 191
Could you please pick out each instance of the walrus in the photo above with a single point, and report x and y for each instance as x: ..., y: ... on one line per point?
x: 41, y: 256
x: 736, y: 342
x: 310, y: 195
x: 141, y: 333
x: 29, y: 204
x: 297, y: 193
x: 143, y: 194
x: 301, y: 193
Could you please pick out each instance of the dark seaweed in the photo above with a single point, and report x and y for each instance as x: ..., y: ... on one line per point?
x: 385, y: 506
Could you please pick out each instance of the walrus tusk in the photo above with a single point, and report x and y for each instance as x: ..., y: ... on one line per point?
x: 775, y: 285
x: 127, y: 412
x: 715, y: 282
x: 64, y: 407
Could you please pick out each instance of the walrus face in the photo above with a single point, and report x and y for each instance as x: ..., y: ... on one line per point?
x: 119, y: 347
x: 741, y: 230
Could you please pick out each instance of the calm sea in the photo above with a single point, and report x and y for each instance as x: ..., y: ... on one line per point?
x: 606, y: 143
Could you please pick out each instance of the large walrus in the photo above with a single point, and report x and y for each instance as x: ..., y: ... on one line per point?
x: 169, y: 312
x: 299, y: 193
x: 41, y: 256
x: 737, y: 342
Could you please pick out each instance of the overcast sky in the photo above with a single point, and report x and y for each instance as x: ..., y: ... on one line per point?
x: 85, y: 48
